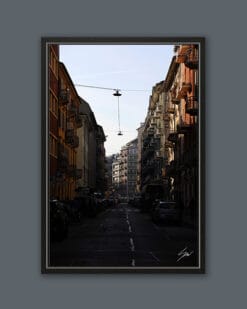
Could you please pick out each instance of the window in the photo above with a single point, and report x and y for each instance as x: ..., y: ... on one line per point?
x: 53, y: 146
x: 53, y: 62
x: 53, y: 104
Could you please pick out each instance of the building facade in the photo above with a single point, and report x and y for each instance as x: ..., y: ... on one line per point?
x: 169, y: 136
x: 53, y: 54
x: 76, y: 141
x: 100, y: 160
x: 124, y: 170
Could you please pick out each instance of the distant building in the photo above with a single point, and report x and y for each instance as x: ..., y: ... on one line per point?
x: 108, y: 165
x: 153, y: 140
x: 100, y: 160
x: 91, y: 152
x: 125, y: 170
x: 131, y: 168
x: 116, y: 171
x: 139, y: 157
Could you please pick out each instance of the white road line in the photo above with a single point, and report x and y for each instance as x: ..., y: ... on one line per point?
x: 158, y: 260
x: 130, y: 230
x: 132, y: 246
x: 128, y: 222
x: 133, y: 263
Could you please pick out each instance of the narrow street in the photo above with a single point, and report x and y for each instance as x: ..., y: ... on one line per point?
x: 124, y: 237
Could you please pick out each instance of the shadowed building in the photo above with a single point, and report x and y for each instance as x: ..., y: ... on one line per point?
x: 53, y: 54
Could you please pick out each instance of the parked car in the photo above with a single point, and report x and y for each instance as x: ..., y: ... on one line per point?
x: 59, y: 221
x: 137, y: 201
x: 165, y: 212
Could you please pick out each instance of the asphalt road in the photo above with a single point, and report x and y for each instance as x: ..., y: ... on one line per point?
x: 125, y: 237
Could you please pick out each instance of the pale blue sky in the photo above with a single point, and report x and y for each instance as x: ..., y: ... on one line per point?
x: 122, y: 67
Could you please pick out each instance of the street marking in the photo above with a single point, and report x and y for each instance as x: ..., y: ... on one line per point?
x: 130, y: 230
x: 158, y: 260
x: 132, y: 246
x: 133, y: 263
x: 128, y: 222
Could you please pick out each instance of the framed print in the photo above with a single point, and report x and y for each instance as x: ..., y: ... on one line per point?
x: 123, y: 177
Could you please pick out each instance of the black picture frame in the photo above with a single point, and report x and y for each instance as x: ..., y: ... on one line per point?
x: 45, y: 41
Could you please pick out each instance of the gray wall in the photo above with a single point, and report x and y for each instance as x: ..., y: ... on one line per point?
x: 22, y: 23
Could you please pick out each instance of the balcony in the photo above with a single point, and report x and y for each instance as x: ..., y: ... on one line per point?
x: 158, y: 154
x: 181, y: 58
x: 159, y: 107
x: 190, y: 157
x: 64, y: 97
x: 183, y: 51
x: 63, y: 162
x: 176, y: 101
x: 191, y: 106
x: 170, y: 110
x: 147, y: 153
x: 71, y: 110
x: 156, y: 115
x: 191, y: 62
x: 185, y: 88
x: 78, y: 121
x: 173, y: 136
x: 150, y: 131
x: 158, y: 132
x: 184, y: 128
x: 72, y: 140
x: 78, y: 173
x: 63, y: 157
x: 171, y: 169
x: 71, y: 171
x: 153, y: 123
x: 166, y: 117
x: 69, y: 133
x: 168, y: 144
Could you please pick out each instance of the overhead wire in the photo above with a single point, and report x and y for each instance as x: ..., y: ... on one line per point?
x: 107, y: 88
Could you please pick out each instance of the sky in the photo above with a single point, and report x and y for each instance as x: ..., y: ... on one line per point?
x: 124, y: 67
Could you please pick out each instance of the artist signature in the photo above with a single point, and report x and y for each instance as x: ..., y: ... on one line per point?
x: 184, y: 253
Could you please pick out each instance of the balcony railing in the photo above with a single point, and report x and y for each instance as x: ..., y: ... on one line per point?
x: 166, y: 117
x: 72, y: 110
x: 158, y: 132
x: 191, y: 62
x: 191, y: 106
x: 72, y: 140
x: 181, y: 58
x: 64, y: 96
x: 185, y: 88
x: 168, y: 144
x: 171, y: 169
x: 173, y: 136
x: 156, y: 115
x: 184, y: 128
x: 170, y: 110
x: 176, y: 101
x: 78, y: 121
x: 183, y: 51
x: 71, y: 171
x: 190, y: 158
x: 78, y: 173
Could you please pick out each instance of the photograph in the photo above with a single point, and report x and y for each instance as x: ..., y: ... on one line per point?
x: 123, y: 155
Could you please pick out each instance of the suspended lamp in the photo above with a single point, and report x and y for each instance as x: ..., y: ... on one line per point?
x: 118, y: 94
